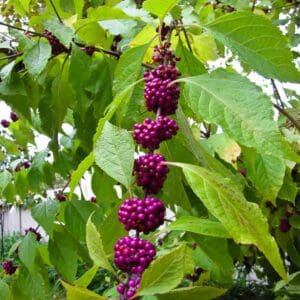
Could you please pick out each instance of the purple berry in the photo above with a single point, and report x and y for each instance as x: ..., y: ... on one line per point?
x: 56, y: 45
x: 5, y: 123
x: 93, y: 199
x: 60, y: 196
x: 127, y: 290
x: 34, y: 231
x: 151, y: 133
x: 89, y: 50
x: 284, y: 225
x: 150, y: 172
x: 14, y: 116
x: 159, y: 90
x: 143, y: 215
x: 9, y: 267
x: 133, y: 255
x: 26, y: 164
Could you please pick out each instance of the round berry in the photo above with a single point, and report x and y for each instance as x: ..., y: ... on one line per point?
x: 151, y: 173
x: 159, y: 90
x: 143, y: 215
x: 5, y: 123
x: 133, y: 255
x: 14, y: 116
x: 151, y: 133
x: 9, y: 267
x: 127, y: 290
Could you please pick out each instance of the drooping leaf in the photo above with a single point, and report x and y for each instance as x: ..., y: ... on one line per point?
x: 44, y: 213
x: 87, y: 277
x: 241, y: 108
x: 288, y: 189
x: 165, y: 273
x: 200, y: 226
x: 79, y: 293
x: 36, y: 58
x: 243, y: 220
x: 95, y: 247
x: 114, y: 153
x: 27, y: 251
x: 194, y: 293
x: 5, y: 178
x: 159, y: 8
x: 258, y: 42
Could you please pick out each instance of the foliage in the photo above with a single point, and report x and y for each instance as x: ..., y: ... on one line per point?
x: 72, y: 73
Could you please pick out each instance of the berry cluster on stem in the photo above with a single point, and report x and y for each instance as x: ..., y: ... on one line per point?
x: 133, y: 254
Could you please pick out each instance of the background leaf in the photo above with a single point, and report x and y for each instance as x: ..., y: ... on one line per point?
x: 159, y: 8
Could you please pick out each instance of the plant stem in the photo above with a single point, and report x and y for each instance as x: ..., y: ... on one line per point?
x: 21, y: 29
x: 186, y: 36
x: 56, y: 12
x: 277, y: 95
x: 288, y: 115
x: 11, y: 56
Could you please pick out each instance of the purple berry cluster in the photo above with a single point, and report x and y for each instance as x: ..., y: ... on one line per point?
x: 143, y: 215
x: 133, y: 255
x: 151, y: 172
x: 56, y: 45
x: 13, y: 116
x: 9, y: 267
x: 35, y: 232
x: 151, y: 133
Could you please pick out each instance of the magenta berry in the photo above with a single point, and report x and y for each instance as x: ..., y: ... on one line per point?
x: 26, y: 164
x: 56, y: 45
x: 9, y: 267
x: 5, y: 123
x: 159, y: 90
x: 127, y: 290
x: 143, y: 215
x: 150, y: 172
x: 151, y: 133
x: 35, y: 232
x: 14, y: 116
x: 133, y: 255
x: 284, y: 225
x: 93, y: 199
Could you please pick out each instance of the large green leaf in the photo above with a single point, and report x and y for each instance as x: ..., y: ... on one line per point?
x: 44, y: 213
x: 194, y: 293
x: 165, y: 273
x: 159, y: 8
x: 243, y: 220
x: 265, y: 171
x: 200, y: 226
x: 5, y: 178
x: 114, y: 153
x: 27, y: 251
x: 4, y: 291
x: 258, y: 42
x: 79, y: 293
x: 36, y: 58
x: 240, y: 107
x: 95, y: 246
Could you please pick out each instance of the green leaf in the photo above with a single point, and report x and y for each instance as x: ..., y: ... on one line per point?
x: 63, y: 33
x: 164, y: 273
x: 87, y: 277
x: 240, y: 107
x: 84, y: 165
x: 95, y: 247
x: 45, y: 213
x: 243, y: 220
x: 194, y: 293
x: 21, y: 183
x: 5, y: 178
x: 159, y: 8
x: 79, y: 293
x: 4, y: 291
x: 265, y: 171
x: 28, y: 251
x: 199, y: 226
x: 114, y: 153
x: 36, y: 58
x: 63, y: 254
x: 258, y: 42
x: 77, y: 213
x: 288, y: 189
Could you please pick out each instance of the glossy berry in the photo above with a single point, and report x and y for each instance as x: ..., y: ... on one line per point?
x: 5, y: 123
x: 159, y: 90
x: 60, y: 196
x: 143, y: 215
x: 34, y: 231
x: 26, y: 164
x: 127, y: 290
x: 163, y: 55
x: 56, y: 45
x: 9, y: 267
x: 133, y: 255
x: 284, y: 225
x: 93, y: 199
x: 150, y: 172
x: 14, y: 116
x: 151, y: 133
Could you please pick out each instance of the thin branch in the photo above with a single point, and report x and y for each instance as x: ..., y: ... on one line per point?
x: 56, y: 12
x: 186, y: 36
x: 11, y: 56
x: 253, y: 5
x: 277, y: 95
x: 21, y: 29
x: 288, y: 115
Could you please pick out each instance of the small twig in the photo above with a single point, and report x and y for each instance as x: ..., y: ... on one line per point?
x: 168, y: 220
x: 253, y: 5
x: 11, y: 56
x: 148, y: 66
x: 186, y: 36
x: 288, y: 115
x: 66, y: 185
x: 277, y: 95
x: 56, y: 12
x: 21, y: 29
